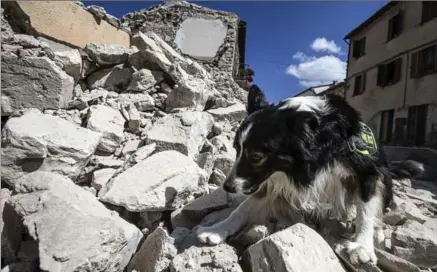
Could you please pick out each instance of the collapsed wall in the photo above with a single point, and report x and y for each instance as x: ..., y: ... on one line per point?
x: 207, y: 36
x: 216, y: 39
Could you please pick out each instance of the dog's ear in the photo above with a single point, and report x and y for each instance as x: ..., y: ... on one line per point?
x: 256, y: 100
x: 302, y: 121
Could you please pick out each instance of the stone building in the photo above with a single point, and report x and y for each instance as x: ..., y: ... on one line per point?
x: 333, y: 88
x: 392, y: 73
x: 217, y: 39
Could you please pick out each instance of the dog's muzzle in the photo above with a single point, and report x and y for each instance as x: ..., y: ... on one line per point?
x: 237, y: 185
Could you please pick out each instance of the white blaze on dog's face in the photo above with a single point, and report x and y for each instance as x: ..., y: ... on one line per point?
x: 271, y: 139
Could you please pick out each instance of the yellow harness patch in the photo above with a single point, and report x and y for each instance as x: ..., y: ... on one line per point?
x: 364, y: 143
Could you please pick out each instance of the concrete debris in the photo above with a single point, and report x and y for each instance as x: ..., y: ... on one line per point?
x: 185, y: 132
x: 108, y: 54
x: 33, y: 82
x: 101, y: 177
x: 100, y: 13
x: 109, y: 123
x: 143, y: 153
x: 392, y: 263
x: 132, y: 115
x: 416, y: 243
x: 234, y: 113
x: 206, y: 259
x: 164, y: 181
x: 206, y: 204
x: 297, y: 248
x: 115, y: 78
x: 107, y: 243
x: 143, y: 102
x: 37, y: 141
x: 70, y: 60
x: 155, y: 253
x: 145, y: 80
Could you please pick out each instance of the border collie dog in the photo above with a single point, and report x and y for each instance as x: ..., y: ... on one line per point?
x: 299, y: 157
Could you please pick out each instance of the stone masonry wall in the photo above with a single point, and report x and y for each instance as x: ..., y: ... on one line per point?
x: 169, y: 18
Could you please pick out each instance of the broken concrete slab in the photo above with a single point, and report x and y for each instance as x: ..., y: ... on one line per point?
x: 101, y: 177
x: 206, y: 204
x: 155, y: 253
x: 68, y: 57
x: 115, y: 78
x: 143, y: 153
x: 189, y: 93
x: 37, y: 141
x: 251, y: 236
x: 145, y: 80
x: 206, y: 259
x: 416, y: 242
x: 81, y: 24
x: 391, y: 263
x: 54, y: 209
x: 163, y: 181
x: 142, y: 101
x: 297, y: 248
x: 185, y: 132
x: 110, y: 123
x: 234, y: 113
x: 33, y: 82
x: 108, y: 54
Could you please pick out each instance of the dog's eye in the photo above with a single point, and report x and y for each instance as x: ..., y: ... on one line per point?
x: 255, y: 157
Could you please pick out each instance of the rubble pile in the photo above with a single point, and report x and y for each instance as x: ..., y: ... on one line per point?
x: 112, y: 156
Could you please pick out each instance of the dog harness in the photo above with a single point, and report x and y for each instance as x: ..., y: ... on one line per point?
x: 364, y: 143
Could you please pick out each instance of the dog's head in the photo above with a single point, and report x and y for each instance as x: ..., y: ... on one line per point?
x: 272, y: 138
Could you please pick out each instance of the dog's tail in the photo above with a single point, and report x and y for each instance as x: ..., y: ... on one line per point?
x: 407, y: 169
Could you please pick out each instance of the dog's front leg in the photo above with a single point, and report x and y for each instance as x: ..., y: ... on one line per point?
x: 218, y: 232
x: 362, y: 249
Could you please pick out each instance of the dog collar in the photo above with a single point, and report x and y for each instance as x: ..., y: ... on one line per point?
x: 364, y: 143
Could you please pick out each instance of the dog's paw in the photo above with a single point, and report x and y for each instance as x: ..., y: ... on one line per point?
x: 211, y: 235
x: 359, y: 254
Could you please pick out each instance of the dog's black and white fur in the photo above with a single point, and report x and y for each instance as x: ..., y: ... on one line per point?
x: 294, y: 157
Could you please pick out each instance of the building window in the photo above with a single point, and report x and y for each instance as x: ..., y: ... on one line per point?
x: 359, y: 47
x: 394, y: 26
x: 429, y: 11
x: 424, y: 62
x: 389, y: 73
x: 386, y: 126
x: 416, y: 125
x: 360, y: 84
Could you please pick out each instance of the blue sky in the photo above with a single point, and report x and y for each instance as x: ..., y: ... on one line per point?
x: 290, y: 45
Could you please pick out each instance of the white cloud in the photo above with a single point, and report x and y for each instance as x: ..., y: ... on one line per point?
x: 300, y: 56
x: 323, y: 45
x: 312, y: 71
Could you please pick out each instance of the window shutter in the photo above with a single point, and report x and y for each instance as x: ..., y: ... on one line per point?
x: 398, y: 67
x: 380, y: 77
x: 355, y: 49
x: 363, y: 46
x: 413, y: 67
x: 400, y: 21
x: 363, y: 84
x: 390, y: 29
x: 425, y: 10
